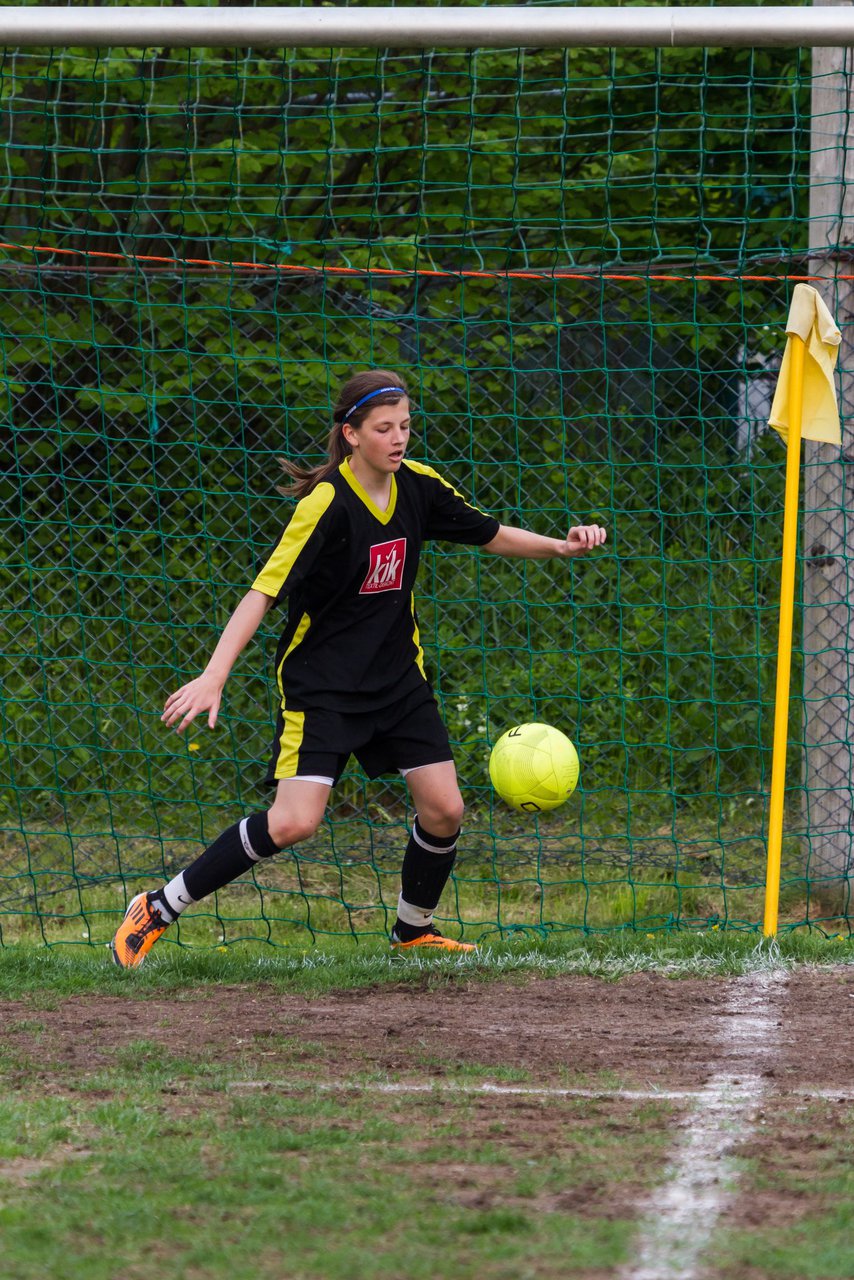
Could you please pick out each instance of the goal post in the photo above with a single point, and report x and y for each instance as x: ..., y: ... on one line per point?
x: 427, y: 27
x: 828, y: 634
x: 580, y: 257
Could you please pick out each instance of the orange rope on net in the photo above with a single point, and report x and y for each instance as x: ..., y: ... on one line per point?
x: 162, y: 263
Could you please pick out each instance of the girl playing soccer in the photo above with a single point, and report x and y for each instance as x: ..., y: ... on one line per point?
x: 349, y: 665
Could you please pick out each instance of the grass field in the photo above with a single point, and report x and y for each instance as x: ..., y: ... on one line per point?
x: 343, y: 1114
x: 346, y: 964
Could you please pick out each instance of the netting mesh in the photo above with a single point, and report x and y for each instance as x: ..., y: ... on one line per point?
x: 198, y: 248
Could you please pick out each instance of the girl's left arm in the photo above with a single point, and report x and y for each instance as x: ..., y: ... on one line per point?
x: 525, y: 545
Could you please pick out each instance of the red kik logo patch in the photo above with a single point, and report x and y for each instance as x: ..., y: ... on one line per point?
x: 386, y: 571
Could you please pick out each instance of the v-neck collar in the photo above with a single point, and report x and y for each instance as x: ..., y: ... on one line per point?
x: 382, y: 516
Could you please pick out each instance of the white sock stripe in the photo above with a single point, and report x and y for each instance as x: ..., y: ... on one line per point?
x: 245, y: 841
x: 418, y: 917
x: 175, y: 895
x: 432, y: 848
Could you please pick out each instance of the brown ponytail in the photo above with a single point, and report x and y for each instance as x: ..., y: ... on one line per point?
x: 304, y: 479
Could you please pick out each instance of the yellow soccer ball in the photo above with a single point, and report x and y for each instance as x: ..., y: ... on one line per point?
x: 534, y: 767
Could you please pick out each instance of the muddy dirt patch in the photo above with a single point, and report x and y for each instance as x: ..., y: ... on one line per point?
x: 645, y: 1030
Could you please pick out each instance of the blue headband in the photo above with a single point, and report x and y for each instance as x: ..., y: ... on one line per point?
x: 379, y: 392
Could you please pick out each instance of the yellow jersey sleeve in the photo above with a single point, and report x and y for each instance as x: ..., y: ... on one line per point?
x: 298, y: 546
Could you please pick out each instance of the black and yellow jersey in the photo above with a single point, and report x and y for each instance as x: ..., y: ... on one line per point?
x: 347, y: 570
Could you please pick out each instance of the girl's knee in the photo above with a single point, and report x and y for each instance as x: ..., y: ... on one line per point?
x: 443, y: 817
x: 456, y: 811
x: 287, y: 828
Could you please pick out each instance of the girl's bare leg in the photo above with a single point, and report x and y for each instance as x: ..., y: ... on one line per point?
x: 436, y: 796
x: 297, y: 810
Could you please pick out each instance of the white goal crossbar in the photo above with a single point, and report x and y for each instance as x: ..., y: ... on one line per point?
x: 411, y: 26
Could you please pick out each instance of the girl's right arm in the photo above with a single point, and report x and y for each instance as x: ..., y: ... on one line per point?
x: 205, y: 692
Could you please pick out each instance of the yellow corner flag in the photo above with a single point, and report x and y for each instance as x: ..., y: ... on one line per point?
x: 810, y: 320
x: 804, y: 406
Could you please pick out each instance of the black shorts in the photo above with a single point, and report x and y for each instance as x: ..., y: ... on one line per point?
x: 316, y: 744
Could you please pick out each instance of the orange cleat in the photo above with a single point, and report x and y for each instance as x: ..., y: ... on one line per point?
x: 433, y: 940
x: 137, y: 933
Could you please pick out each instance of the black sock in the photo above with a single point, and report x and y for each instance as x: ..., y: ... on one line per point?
x: 231, y: 854
x: 427, y: 865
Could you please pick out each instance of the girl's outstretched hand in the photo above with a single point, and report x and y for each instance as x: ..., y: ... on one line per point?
x: 584, y: 537
x: 202, y: 694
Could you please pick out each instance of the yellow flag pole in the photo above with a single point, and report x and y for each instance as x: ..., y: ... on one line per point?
x: 784, y: 646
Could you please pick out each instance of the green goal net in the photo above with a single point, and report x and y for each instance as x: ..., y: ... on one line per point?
x: 582, y: 262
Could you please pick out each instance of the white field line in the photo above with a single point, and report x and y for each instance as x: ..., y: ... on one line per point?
x: 451, y: 1087
x: 533, y: 1091
x: 682, y: 1214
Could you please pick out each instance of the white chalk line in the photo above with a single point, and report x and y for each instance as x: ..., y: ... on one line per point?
x: 451, y: 1087
x: 682, y: 1213
x: 532, y: 1091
